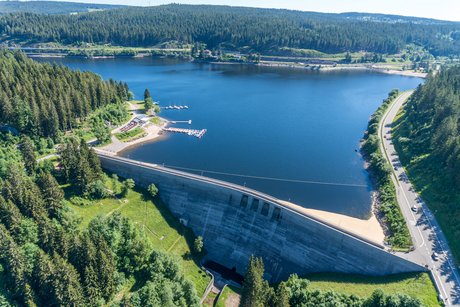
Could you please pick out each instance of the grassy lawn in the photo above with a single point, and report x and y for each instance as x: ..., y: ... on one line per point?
x: 129, y: 135
x: 156, y: 120
x: 417, y: 285
x: 229, y: 297
x: 162, y: 228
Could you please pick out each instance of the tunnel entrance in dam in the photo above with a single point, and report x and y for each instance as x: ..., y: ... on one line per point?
x: 226, y: 273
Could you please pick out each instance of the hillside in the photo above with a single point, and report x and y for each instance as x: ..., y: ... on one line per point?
x: 51, y: 7
x: 427, y: 136
x: 46, y: 258
x: 238, y: 28
x: 44, y: 99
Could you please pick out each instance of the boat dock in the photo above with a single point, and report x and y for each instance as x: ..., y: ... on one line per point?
x: 174, y: 107
x: 192, y: 132
x: 181, y: 121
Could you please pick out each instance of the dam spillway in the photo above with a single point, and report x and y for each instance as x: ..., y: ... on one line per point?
x: 236, y: 222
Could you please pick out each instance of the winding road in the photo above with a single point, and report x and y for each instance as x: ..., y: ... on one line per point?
x: 426, y: 233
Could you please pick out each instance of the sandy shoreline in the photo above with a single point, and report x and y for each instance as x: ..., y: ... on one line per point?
x: 369, y: 229
x: 325, y: 68
x: 152, y: 132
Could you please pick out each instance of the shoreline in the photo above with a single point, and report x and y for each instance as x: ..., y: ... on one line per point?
x: 152, y: 133
x: 313, y: 67
x: 319, y: 68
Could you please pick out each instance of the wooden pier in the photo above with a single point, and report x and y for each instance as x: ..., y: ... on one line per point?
x: 192, y: 132
x: 174, y: 107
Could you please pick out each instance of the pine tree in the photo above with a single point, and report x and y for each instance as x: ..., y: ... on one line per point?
x: 147, y: 94
x: 15, y: 267
x: 28, y: 155
x: 255, y: 288
x: 65, y: 283
x: 52, y: 193
x: 42, y: 273
x: 281, y: 298
x: 10, y: 216
x: 24, y: 193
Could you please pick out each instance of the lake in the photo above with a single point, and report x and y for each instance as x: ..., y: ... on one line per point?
x: 296, y: 131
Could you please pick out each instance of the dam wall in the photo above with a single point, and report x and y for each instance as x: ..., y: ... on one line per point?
x: 236, y: 222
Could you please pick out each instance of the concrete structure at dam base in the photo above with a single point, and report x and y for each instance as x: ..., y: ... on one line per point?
x: 236, y: 222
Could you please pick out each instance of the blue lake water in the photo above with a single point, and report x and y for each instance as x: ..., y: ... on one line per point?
x: 268, y: 122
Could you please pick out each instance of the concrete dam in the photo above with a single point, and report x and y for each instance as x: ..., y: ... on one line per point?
x: 236, y: 222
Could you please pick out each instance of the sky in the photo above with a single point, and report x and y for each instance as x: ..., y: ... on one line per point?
x: 438, y: 9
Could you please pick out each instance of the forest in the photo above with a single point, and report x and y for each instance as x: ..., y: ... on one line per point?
x: 235, y: 28
x: 51, y: 7
x: 427, y: 136
x: 46, y: 260
x: 44, y: 100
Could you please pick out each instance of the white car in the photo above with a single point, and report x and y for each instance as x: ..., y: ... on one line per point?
x: 414, y: 208
x: 435, y: 256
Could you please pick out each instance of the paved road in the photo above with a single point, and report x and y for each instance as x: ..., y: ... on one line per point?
x: 425, y: 231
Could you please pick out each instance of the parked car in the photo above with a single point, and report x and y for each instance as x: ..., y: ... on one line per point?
x: 435, y: 256
x: 414, y: 208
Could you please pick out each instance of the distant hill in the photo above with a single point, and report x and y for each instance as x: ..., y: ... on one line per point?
x: 51, y: 7
x: 394, y: 19
x: 238, y: 28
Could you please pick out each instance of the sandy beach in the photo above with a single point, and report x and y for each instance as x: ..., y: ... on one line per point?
x: 369, y: 229
x: 407, y: 73
x: 152, y: 132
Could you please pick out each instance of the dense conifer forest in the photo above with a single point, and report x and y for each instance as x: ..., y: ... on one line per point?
x: 250, y: 29
x: 51, y: 7
x: 428, y: 141
x: 44, y: 100
x: 46, y: 258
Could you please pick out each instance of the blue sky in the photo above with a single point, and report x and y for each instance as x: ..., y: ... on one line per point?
x: 440, y: 9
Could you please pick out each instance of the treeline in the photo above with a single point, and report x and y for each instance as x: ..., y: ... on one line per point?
x: 432, y: 122
x: 428, y: 142
x: 51, y: 7
x: 42, y: 100
x: 381, y: 172
x: 45, y: 260
x: 248, y: 29
x: 295, y: 291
